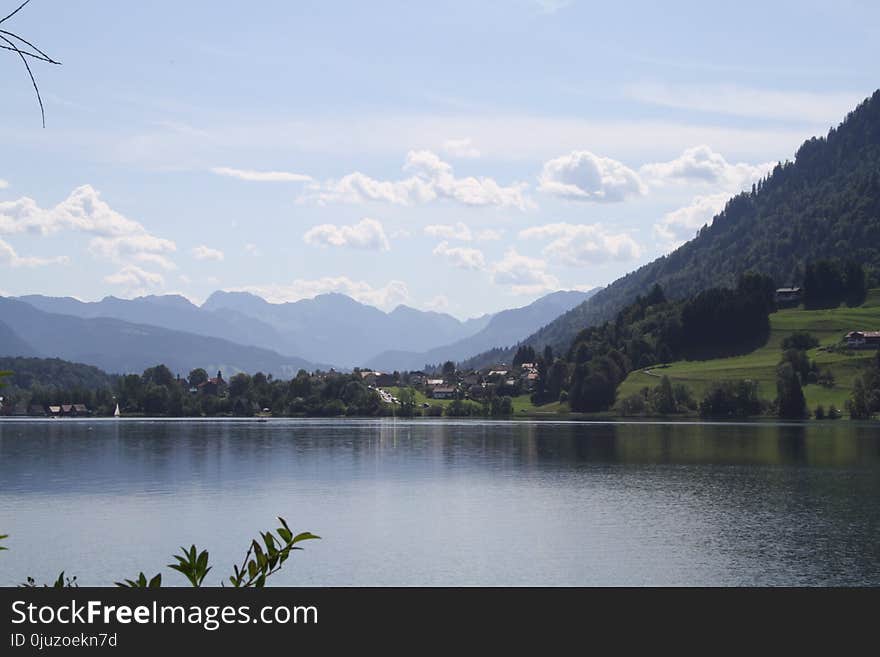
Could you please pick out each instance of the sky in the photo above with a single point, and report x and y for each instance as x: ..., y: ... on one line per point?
x: 463, y: 157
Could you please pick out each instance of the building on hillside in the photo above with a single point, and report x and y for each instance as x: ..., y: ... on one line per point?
x: 443, y: 392
x: 789, y: 296
x: 434, y: 382
x: 863, y: 339
x: 530, y: 380
x: 55, y: 411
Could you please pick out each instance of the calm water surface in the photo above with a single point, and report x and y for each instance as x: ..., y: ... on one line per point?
x: 448, y: 503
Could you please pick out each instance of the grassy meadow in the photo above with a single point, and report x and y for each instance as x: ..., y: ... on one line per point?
x: 828, y: 325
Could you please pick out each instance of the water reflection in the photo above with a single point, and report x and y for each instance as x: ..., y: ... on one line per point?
x: 434, y: 502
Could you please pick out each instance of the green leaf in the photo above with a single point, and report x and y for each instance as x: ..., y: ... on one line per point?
x: 202, y: 562
x: 156, y: 582
x: 304, y: 536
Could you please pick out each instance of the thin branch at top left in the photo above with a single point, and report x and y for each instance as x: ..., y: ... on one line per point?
x: 25, y: 49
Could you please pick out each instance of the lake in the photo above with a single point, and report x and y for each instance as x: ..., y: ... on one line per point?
x: 447, y: 503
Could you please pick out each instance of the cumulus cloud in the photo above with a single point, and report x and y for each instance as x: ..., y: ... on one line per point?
x: 142, y: 247
x: 203, y: 252
x: 156, y: 259
x: 578, y: 245
x: 388, y: 296
x: 431, y: 179
x: 114, y: 236
x: 523, y: 274
x: 461, y: 232
x: 460, y: 257
x: 583, y: 176
x: 463, y: 148
x: 681, y: 224
x: 701, y: 164
x: 367, y: 234
x: 458, y: 231
x: 135, y: 279
x: 3, y: 184
x: 8, y: 256
x: 261, y: 176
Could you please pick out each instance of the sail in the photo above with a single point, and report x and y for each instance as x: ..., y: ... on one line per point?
x: 116, y: 413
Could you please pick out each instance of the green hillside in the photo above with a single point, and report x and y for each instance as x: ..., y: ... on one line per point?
x: 828, y: 326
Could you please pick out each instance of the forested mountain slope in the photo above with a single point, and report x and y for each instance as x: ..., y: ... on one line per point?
x: 824, y: 204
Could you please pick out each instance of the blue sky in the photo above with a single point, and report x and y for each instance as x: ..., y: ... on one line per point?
x: 460, y: 156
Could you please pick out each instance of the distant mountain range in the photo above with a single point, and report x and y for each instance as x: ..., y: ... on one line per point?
x: 505, y: 328
x: 824, y: 204
x: 335, y: 328
x: 120, y: 347
x: 238, y: 331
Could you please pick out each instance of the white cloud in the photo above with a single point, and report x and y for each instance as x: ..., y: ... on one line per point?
x: 583, y: 176
x: 135, y: 279
x: 154, y: 259
x: 431, y: 179
x: 461, y: 231
x: 681, y: 224
x: 115, y: 237
x: 463, y: 148
x: 252, y: 249
x: 83, y: 211
x: 703, y: 165
x: 366, y: 234
x: 821, y: 108
x: 8, y: 256
x: 261, y: 176
x: 583, y: 244
x: 438, y: 304
x: 460, y: 257
x: 135, y: 246
x: 458, y: 231
x: 388, y: 296
x: 524, y: 275
x: 3, y: 184
x: 203, y: 252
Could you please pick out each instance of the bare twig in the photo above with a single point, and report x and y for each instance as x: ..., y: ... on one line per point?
x: 30, y: 54
x: 28, y: 43
x: 15, y: 12
x: 30, y: 73
x: 23, y: 54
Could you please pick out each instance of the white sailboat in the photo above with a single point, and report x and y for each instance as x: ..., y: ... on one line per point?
x: 116, y: 413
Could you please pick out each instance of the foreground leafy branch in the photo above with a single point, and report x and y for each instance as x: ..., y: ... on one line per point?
x: 263, y: 559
